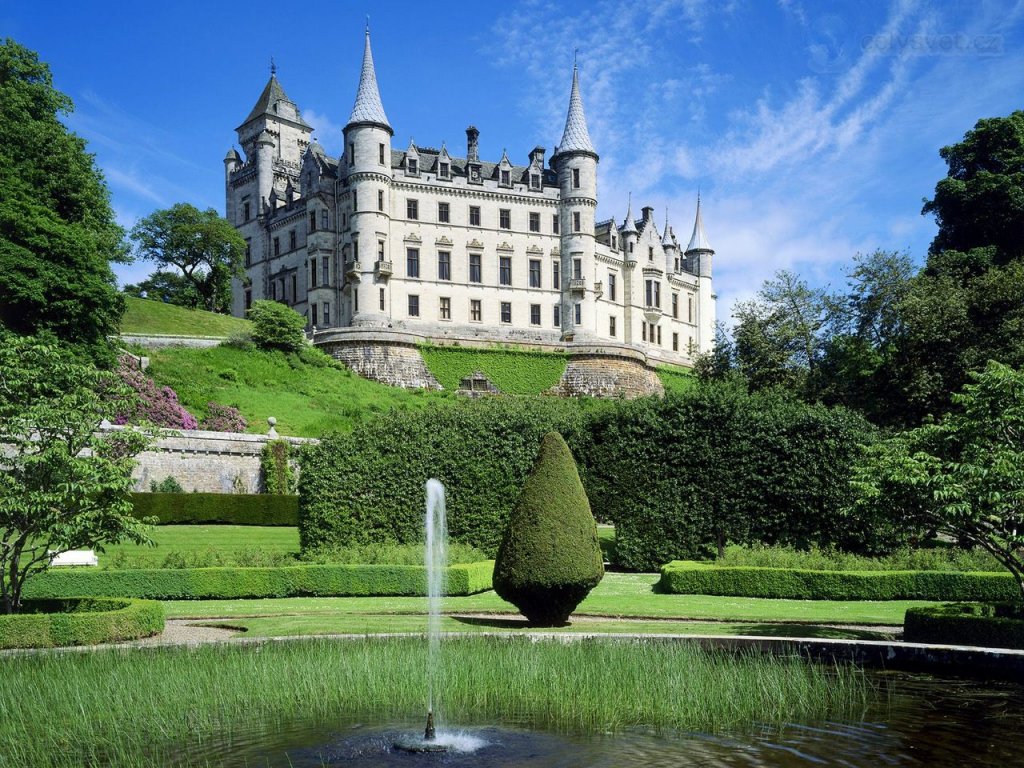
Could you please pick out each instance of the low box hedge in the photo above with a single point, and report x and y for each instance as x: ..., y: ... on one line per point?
x: 224, y: 508
x: 241, y: 583
x: 986, y: 625
x: 690, y: 577
x: 80, y: 621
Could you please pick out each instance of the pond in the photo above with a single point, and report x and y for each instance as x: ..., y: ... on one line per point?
x: 919, y: 720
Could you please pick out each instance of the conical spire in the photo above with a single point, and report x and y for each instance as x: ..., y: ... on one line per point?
x: 629, y: 227
x: 699, y: 240
x: 368, y: 107
x: 576, y: 138
x: 666, y: 239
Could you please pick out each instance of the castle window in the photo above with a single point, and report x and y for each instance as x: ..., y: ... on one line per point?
x: 506, y: 311
x: 412, y: 262
x: 325, y: 268
x: 474, y: 310
x: 577, y: 269
x: 576, y: 221
x: 575, y: 178
x: 614, y: 248
x: 412, y: 209
x: 380, y: 154
x: 650, y: 253
x: 675, y: 342
x: 689, y: 309
x: 659, y: 335
x: 474, y: 215
x: 277, y: 246
x: 474, y: 268
x: 611, y: 286
x: 327, y: 313
x: 535, y: 314
x: 380, y: 199
x: 414, y: 305
x: 312, y: 276
x: 505, y: 270
x: 312, y: 221
x: 325, y: 219
x: 676, y: 266
x: 675, y: 305
x: 295, y: 288
x: 355, y: 299
x: 579, y: 313
x: 355, y: 250
x: 355, y: 200
x: 630, y: 247
x: 643, y: 331
x: 443, y: 171
x: 312, y: 313
x: 246, y: 210
x: 505, y: 218
x: 443, y: 213
x: 611, y: 326
x: 291, y: 240
x: 554, y: 224
x: 444, y: 265
x: 351, y: 154
x: 381, y: 300
x: 446, y: 308
x: 535, y: 274
x: 534, y: 181
x: 556, y: 316
x: 506, y: 179
x: 248, y: 252
x: 248, y: 299
x: 413, y: 166
x: 534, y: 221
x: 653, y: 293
x: 556, y: 283
x: 380, y: 250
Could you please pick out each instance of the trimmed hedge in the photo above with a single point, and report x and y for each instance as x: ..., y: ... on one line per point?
x: 225, y: 508
x: 80, y: 621
x: 243, y: 583
x: 687, y: 577
x: 966, y: 624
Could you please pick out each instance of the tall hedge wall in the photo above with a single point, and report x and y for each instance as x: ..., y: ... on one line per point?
x: 682, y: 475
x: 226, y: 508
x: 991, y: 626
x: 368, y: 486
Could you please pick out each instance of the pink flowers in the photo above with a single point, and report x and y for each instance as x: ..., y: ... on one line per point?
x: 156, y: 405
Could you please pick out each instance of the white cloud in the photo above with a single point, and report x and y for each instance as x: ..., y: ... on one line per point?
x: 326, y: 131
x: 127, y: 180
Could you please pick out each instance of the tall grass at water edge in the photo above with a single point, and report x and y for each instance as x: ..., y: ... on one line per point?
x: 139, y: 707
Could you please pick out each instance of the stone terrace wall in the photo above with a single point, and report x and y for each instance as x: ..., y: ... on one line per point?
x: 390, y: 358
x: 606, y: 371
x: 212, y: 462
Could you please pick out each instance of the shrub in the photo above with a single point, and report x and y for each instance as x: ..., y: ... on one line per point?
x: 233, y: 508
x: 686, y: 578
x: 993, y: 626
x: 223, y: 418
x: 156, y: 405
x: 394, y: 554
x: 276, y: 326
x: 226, y: 583
x: 48, y: 623
x: 367, y: 486
x: 168, y: 485
x: 275, y: 468
x: 549, y: 558
x: 817, y: 559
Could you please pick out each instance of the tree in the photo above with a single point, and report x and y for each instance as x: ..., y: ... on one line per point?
x: 275, y: 326
x: 57, y: 229
x: 966, y: 473
x: 549, y: 558
x: 64, y: 485
x: 170, y: 287
x: 204, y: 246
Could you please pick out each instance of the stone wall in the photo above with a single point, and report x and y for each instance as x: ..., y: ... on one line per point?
x: 607, y: 376
x: 390, y: 358
x: 156, y: 340
x: 212, y: 462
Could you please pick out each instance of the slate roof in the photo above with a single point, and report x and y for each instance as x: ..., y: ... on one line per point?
x: 272, y: 94
x: 368, y: 107
x: 699, y: 241
x: 428, y: 160
x: 576, y: 137
x: 629, y: 226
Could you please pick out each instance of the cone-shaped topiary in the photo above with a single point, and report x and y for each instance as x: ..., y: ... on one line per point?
x: 549, y: 558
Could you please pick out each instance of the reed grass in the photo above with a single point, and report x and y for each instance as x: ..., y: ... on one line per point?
x: 140, y: 707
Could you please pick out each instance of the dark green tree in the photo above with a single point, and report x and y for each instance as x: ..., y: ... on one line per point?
x: 549, y: 558
x: 171, y: 287
x: 203, y: 245
x: 57, y: 230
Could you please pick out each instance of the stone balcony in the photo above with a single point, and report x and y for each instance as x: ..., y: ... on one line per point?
x: 652, y: 314
x: 383, y: 268
x: 352, y: 269
x: 578, y: 285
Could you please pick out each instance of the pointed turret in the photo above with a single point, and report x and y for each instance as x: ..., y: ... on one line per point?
x: 699, y: 240
x: 666, y: 239
x: 629, y: 226
x: 275, y: 103
x: 368, y: 108
x: 576, y: 137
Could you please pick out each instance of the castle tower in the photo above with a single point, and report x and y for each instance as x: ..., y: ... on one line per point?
x: 575, y: 162
x: 700, y: 253
x: 628, y: 233
x: 668, y: 244
x: 367, y: 161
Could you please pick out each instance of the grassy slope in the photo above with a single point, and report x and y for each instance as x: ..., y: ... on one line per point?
x: 146, y: 316
x: 675, y: 379
x: 513, y: 372
x: 185, y: 539
x: 306, y: 400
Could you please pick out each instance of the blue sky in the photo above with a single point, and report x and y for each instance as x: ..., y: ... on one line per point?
x: 811, y: 129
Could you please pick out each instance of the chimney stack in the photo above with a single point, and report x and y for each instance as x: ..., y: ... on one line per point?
x: 472, y: 145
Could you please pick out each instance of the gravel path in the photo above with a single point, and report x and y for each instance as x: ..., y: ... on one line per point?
x: 185, y: 632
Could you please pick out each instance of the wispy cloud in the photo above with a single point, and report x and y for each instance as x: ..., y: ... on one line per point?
x: 326, y: 131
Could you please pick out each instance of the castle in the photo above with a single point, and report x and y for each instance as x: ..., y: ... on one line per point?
x: 385, y: 248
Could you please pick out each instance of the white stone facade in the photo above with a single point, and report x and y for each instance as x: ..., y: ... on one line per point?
x: 450, y: 246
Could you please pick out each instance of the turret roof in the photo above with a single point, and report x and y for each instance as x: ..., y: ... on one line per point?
x: 629, y: 226
x: 576, y: 137
x: 272, y: 94
x: 699, y: 241
x: 368, y: 107
x: 666, y: 240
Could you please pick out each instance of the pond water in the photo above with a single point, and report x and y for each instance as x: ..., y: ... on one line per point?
x: 919, y: 721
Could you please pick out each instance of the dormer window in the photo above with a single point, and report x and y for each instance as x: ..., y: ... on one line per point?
x: 506, y: 178
x: 443, y: 170
x: 412, y: 166
x: 534, y: 181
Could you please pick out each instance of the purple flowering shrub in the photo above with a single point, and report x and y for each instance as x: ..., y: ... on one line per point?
x: 156, y: 405
x: 223, y: 418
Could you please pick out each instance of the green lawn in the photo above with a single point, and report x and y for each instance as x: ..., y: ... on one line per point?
x: 198, y: 539
x: 307, y: 400
x: 147, y: 316
x: 511, y: 371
